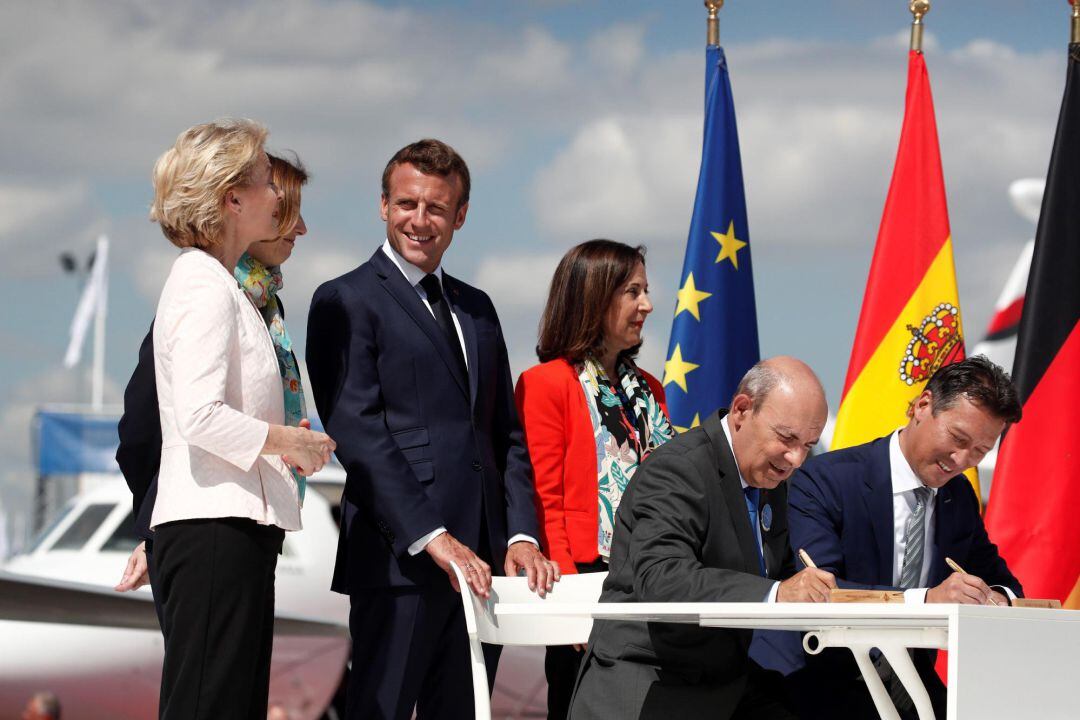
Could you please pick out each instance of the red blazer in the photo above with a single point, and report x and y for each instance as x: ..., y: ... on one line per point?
x: 559, y: 436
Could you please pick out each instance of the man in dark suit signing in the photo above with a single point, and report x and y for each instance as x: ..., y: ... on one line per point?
x: 704, y: 521
x: 409, y: 372
x: 885, y: 515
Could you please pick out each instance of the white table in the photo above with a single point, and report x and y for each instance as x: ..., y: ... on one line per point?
x: 1004, y: 662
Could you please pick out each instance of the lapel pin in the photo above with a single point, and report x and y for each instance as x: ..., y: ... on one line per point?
x: 766, y: 517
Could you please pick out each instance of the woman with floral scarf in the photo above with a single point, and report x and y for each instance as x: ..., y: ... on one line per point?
x: 590, y: 416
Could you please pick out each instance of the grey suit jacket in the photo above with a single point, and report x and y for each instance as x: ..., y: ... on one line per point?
x: 682, y: 534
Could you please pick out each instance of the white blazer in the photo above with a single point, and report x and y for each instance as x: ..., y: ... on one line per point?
x: 219, y: 390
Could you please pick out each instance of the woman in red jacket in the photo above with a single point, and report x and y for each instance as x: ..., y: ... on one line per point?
x: 590, y: 416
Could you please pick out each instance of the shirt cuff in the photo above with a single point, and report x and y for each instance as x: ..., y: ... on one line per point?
x: 915, y: 596
x: 522, y: 537
x: 417, y: 547
x: 771, y: 597
x: 1004, y: 590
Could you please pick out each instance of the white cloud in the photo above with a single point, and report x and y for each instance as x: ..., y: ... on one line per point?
x: 619, y: 48
x: 538, y: 62
x: 628, y: 178
x: 516, y: 281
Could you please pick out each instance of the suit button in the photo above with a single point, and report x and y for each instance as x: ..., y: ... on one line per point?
x: 476, y: 465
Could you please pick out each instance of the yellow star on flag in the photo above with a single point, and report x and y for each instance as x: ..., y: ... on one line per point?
x: 696, y: 423
x: 690, y: 297
x: 729, y: 245
x: 676, y: 369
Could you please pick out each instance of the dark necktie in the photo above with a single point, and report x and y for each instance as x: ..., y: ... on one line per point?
x: 752, y: 494
x: 441, y: 309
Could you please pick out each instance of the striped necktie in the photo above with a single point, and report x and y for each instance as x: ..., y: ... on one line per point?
x: 915, y: 540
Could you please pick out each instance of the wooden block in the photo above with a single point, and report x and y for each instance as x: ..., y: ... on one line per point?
x: 866, y: 596
x: 1049, y: 604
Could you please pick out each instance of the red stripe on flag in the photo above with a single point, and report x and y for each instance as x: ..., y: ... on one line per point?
x: 1007, y: 317
x: 1032, y: 509
x: 914, y: 224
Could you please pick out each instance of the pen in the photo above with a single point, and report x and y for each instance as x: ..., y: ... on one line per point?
x: 955, y: 566
x: 805, y: 557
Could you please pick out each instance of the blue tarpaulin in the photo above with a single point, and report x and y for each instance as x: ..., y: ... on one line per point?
x: 69, y: 443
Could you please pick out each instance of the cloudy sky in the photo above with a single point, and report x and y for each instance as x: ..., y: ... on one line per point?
x: 579, y: 119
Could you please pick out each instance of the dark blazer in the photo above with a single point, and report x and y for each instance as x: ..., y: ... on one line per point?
x: 682, y: 534
x: 139, y: 453
x: 562, y: 447
x: 422, y: 446
x: 840, y: 510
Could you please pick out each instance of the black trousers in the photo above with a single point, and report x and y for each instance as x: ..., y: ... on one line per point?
x: 411, y: 649
x: 562, y: 662
x: 214, y: 579
x: 831, y: 686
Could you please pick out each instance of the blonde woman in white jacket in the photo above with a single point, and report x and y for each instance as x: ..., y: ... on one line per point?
x: 226, y: 494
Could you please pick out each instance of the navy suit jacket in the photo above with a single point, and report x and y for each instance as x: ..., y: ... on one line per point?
x: 422, y: 445
x: 840, y: 510
x: 139, y: 453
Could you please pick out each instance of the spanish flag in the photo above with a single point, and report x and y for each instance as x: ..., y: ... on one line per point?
x: 910, y: 320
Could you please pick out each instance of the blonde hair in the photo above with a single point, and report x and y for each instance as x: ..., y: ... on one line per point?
x: 289, y: 175
x: 192, y: 177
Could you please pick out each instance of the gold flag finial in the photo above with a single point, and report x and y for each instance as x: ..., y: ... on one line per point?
x: 1074, y: 36
x: 918, y: 9
x: 713, y: 22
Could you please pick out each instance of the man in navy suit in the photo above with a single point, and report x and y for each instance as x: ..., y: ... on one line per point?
x: 885, y: 515
x: 409, y: 372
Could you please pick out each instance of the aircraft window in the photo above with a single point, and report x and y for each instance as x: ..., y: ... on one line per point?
x: 84, y: 526
x: 52, y: 526
x: 123, y: 538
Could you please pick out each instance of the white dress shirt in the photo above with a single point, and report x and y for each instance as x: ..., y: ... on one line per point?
x: 219, y: 390
x: 904, y: 483
x: 771, y: 597
x: 414, y: 275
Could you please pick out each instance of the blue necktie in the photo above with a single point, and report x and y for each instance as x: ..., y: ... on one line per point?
x: 752, y: 494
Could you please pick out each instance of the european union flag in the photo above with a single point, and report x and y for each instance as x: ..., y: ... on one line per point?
x: 714, y: 338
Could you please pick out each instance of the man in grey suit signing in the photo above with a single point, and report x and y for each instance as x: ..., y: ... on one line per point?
x: 704, y: 520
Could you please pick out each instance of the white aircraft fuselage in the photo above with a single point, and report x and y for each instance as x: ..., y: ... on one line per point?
x: 106, y: 672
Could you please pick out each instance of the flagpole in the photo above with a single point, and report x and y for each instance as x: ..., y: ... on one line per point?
x: 98, y: 377
x: 1074, y: 36
x: 712, y: 36
x: 918, y: 9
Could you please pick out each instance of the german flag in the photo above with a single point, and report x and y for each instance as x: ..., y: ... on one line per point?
x: 910, y: 321
x: 1032, y: 510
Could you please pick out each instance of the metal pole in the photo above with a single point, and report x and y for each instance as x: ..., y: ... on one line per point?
x: 1074, y: 36
x: 918, y: 9
x: 100, y: 313
x: 713, y: 21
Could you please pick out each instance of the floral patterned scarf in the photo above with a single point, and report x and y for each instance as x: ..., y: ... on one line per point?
x: 262, y: 284
x: 628, y: 423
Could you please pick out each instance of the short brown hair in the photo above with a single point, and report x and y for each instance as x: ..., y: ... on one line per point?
x: 192, y: 177
x: 431, y: 157
x: 289, y: 175
x: 585, y: 282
